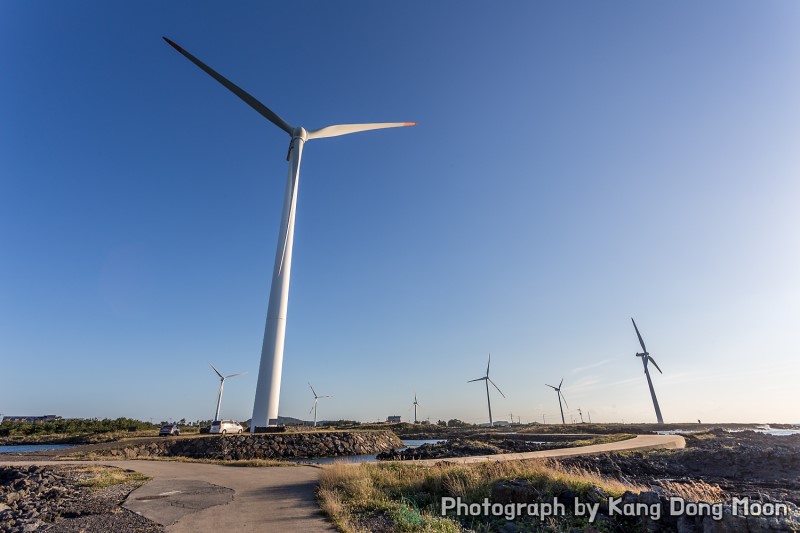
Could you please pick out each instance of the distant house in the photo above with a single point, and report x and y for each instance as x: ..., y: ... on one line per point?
x: 497, y: 423
x: 14, y: 419
x: 393, y: 419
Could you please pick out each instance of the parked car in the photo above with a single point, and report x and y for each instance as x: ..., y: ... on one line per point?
x: 170, y: 430
x: 224, y: 427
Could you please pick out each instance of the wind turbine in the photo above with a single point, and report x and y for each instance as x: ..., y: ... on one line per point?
x: 560, y: 396
x: 316, y: 399
x: 415, y: 404
x: 265, y: 407
x: 488, y: 380
x: 645, y: 359
x: 580, y: 413
x: 221, y: 384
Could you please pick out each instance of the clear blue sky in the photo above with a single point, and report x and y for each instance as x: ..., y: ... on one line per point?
x: 575, y: 164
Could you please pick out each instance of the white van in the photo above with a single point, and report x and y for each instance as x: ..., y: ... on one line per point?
x: 224, y: 427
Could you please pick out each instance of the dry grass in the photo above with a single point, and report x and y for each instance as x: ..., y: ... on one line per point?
x: 411, y: 494
x: 101, y: 477
x: 695, y: 491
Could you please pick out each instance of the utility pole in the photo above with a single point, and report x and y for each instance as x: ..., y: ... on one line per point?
x: 580, y: 413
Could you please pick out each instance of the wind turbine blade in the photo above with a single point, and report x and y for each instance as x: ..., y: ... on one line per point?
x: 217, y: 371
x: 312, y: 409
x: 478, y: 379
x: 312, y: 390
x: 563, y: 398
x: 248, y: 99
x: 554, y: 388
x: 234, y: 375
x: 654, y: 362
x: 487, y: 365
x: 345, y: 129
x: 638, y: 335
x: 496, y: 387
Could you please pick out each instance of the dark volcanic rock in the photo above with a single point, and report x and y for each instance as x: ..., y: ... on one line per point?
x: 466, y: 447
x: 48, y: 498
x: 262, y: 446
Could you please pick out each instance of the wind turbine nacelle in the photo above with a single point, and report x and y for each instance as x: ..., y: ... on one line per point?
x: 300, y: 133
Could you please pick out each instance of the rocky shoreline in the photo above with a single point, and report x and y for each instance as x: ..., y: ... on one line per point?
x: 463, y: 447
x: 490, y: 444
x: 52, y: 498
x: 742, y: 463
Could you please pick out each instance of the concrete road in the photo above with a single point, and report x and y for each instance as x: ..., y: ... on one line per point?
x: 262, y: 499
x: 640, y: 442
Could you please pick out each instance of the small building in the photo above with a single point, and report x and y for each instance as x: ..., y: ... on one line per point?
x: 15, y: 419
x: 393, y: 419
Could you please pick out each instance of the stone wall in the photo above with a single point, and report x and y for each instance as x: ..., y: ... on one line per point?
x: 263, y: 446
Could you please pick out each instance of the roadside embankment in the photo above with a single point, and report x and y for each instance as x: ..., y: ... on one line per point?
x: 259, y: 446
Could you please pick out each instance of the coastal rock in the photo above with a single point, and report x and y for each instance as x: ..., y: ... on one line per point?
x: 263, y: 446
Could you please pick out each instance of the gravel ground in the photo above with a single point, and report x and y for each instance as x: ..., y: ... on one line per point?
x: 51, y: 498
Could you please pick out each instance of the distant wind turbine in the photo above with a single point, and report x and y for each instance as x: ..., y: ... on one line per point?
x: 580, y: 413
x: 645, y: 359
x: 560, y: 397
x: 415, y: 404
x: 221, y: 384
x: 488, y: 380
x: 268, y: 387
x: 316, y: 399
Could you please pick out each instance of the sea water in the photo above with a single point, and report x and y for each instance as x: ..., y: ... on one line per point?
x: 33, y: 448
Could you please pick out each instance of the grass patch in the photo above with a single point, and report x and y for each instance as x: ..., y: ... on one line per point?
x: 101, y: 477
x: 606, y: 439
x: 704, y: 436
x: 409, y: 496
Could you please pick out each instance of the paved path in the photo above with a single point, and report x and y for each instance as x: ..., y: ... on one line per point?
x: 264, y: 498
x: 197, y: 497
x: 640, y: 442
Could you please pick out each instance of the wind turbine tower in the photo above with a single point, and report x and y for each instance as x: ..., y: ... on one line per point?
x: 316, y: 399
x: 488, y: 380
x: 560, y: 396
x: 645, y: 359
x: 221, y: 385
x: 268, y: 387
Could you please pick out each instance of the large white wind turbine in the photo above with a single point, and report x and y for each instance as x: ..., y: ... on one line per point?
x: 316, y: 399
x: 265, y: 407
x: 488, y: 380
x: 560, y: 396
x: 221, y: 384
x: 645, y: 359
